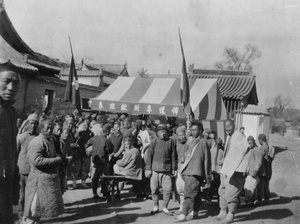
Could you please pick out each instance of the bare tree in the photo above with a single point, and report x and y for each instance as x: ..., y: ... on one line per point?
x: 233, y: 60
x: 143, y: 73
x: 280, y: 104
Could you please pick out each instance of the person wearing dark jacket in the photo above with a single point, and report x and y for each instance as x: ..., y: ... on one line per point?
x: 85, y: 162
x: 9, y: 173
x: 161, y: 164
x: 263, y: 191
x: 195, y: 168
x: 73, y: 167
x: 101, y: 148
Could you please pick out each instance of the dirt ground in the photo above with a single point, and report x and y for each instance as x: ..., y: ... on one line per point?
x: 284, y: 205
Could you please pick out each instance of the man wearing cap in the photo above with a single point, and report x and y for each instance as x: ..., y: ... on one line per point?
x: 161, y: 164
x: 23, y: 163
x: 9, y: 174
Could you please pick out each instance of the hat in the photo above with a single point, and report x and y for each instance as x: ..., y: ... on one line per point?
x: 157, y: 122
x: 33, y: 116
x: 69, y: 118
x: 207, y: 130
x: 181, y: 129
x: 161, y: 127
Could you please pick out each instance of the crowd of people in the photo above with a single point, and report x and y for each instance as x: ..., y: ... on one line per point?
x: 40, y: 156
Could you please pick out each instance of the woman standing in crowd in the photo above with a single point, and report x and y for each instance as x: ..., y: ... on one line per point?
x: 43, y: 196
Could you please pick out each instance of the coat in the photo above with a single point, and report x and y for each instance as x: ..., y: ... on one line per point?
x: 234, y: 154
x: 9, y: 173
x: 22, y: 146
x: 43, y: 186
x: 131, y: 164
x: 161, y: 156
x: 199, y: 163
x: 101, y: 148
x: 256, y: 166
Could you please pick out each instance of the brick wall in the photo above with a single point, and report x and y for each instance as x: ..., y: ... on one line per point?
x: 33, y: 98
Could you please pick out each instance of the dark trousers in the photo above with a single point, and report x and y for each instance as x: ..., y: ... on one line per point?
x: 192, y: 194
x: 23, y: 181
x: 6, y: 209
x: 263, y: 190
x: 95, y: 181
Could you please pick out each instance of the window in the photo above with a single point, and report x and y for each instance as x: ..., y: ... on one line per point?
x: 48, y: 100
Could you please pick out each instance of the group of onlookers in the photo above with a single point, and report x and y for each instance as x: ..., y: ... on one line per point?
x: 153, y: 155
x: 49, y: 151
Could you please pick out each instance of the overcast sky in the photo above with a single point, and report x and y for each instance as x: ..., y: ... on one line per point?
x: 145, y: 34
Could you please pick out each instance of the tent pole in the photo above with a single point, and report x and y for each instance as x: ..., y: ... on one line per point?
x: 188, y: 122
x: 236, y: 115
x: 241, y: 115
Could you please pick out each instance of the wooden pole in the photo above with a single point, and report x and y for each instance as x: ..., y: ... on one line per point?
x: 188, y: 122
x: 71, y: 46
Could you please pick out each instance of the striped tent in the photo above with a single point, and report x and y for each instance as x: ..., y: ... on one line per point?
x: 161, y: 96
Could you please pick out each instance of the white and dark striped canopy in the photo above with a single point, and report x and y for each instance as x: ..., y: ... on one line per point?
x: 161, y: 96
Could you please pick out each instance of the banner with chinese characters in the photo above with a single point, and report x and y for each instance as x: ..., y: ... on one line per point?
x: 161, y: 96
x: 141, y: 108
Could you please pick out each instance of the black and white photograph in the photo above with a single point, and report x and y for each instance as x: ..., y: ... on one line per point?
x: 149, y: 111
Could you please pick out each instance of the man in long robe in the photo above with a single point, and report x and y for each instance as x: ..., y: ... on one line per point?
x: 9, y: 173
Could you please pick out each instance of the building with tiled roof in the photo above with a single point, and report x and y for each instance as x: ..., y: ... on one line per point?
x: 97, y: 74
x: 238, y: 88
x: 40, y: 87
x: 10, y: 55
x: 46, y: 65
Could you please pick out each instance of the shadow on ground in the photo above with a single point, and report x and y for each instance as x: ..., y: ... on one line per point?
x: 89, y: 207
x: 74, y: 214
x: 275, y: 214
x: 279, y: 149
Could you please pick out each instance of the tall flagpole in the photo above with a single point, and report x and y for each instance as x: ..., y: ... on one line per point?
x: 188, y: 119
x: 71, y: 46
x: 72, y: 93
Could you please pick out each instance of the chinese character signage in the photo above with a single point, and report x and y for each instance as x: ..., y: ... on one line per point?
x: 140, y: 108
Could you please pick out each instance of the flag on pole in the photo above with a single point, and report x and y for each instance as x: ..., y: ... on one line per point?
x: 184, y: 84
x: 72, y: 93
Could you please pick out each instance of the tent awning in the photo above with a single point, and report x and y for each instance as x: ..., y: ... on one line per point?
x: 161, y: 96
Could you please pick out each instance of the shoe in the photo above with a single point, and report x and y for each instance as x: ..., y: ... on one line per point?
x: 167, y: 212
x: 154, y: 211
x: 192, y: 216
x: 228, y: 219
x: 222, y: 215
x: 96, y: 197
x: 72, y: 188
x: 258, y: 203
x: 180, y: 218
